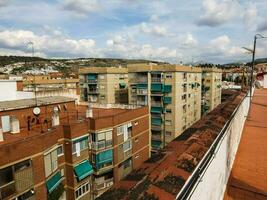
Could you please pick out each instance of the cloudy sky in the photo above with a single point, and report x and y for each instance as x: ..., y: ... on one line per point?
x: 166, y: 30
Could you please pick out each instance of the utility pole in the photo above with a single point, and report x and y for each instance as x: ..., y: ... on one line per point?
x: 34, y: 79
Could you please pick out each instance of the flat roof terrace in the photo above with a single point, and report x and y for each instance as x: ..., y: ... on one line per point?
x: 248, y: 179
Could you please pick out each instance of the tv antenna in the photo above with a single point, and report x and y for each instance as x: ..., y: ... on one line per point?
x: 34, y: 81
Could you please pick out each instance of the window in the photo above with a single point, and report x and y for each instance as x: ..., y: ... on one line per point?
x: 60, y: 151
x: 6, y: 176
x: 79, y: 145
x: 5, y: 123
x: 22, y: 165
x: 168, y: 122
x: 50, y: 160
x: 127, y: 145
x: 82, y: 190
x: 26, y: 195
x: 168, y: 76
x: 168, y: 111
x: 168, y: 133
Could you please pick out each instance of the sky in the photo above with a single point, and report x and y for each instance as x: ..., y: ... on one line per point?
x: 164, y: 30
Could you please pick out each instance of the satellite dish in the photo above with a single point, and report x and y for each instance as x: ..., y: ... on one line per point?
x: 36, y: 111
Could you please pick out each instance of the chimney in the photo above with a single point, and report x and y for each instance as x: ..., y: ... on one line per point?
x: 14, y: 125
x: 1, y: 135
x: 89, y: 112
x: 55, y: 119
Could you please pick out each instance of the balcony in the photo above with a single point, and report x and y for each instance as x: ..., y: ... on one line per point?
x: 101, y: 145
x: 142, y: 91
x: 93, y: 91
x: 156, y: 104
x: 156, y: 109
x: 142, y: 103
x: 156, y: 137
x: 7, y: 190
x: 92, y: 82
x: 100, y: 184
x: 156, y: 121
x: 156, y: 79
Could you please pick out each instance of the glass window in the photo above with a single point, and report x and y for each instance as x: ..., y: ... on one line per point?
x: 60, y: 151
x: 22, y: 165
x: 6, y: 176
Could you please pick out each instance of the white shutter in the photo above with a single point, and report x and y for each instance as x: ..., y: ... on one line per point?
x: 100, y: 136
x: 47, y: 162
x: 54, y: 160
x: 5, y: 123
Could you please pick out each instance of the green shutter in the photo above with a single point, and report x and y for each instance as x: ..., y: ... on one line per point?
x: 122, y: 85
x: 91, y: 76
x: 156, y: 144
x: 167, y: 100
x: 142, y: 86
x: 167, y: 88
x: 104, y: 157
x: 156, y: 110
x: 156, y: 87
x: 53, y: 182
x: 83, y: 170
x: 156, y: 121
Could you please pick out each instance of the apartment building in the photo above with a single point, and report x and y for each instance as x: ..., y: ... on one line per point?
x: 46, y: 148
x: 173, y: 94
x: 119, y: 143
x: 52, y: 85
x: 104, y: 84
x: 211, y: 88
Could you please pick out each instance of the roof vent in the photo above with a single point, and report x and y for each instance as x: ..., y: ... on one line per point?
x: 14, y: 125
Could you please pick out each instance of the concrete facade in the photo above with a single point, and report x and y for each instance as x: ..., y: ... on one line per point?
x: 173, y: 94
x: 211, y: 88
x: 104, y: 84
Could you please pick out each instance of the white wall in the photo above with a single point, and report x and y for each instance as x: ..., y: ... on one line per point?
x: 8, y: 91
x: 213, y: 181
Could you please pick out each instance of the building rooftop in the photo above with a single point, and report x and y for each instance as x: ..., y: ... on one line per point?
x: 248, y: 179
x: 164, y: 174
x: 27, y: 103
x: 103, y: 70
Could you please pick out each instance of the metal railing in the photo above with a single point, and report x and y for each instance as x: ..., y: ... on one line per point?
x: 201, y: 168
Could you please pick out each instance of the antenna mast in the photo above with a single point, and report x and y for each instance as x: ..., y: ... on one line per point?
x: 32, y: 45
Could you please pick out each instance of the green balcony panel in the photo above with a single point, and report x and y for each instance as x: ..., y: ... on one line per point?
x: 91, y: 76
x: 142, y: 86
x: 53, y: 182
x: 156, y: 144
x: 167, y: 88
x: 156, y: 87
x: 167, y: 100
x: 83, y: 170
x: 122, y: 85
x: 156, y: 110
x: 156, y: 121
x: 104, y: 157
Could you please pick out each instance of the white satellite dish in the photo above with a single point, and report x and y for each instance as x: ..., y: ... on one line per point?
x: 36, y: 111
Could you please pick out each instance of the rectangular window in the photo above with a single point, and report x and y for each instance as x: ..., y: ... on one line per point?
x: 51, y: 163
x: 79, y: 145
x: 5, y: 123
x: 6, y: 176
x: 127, y: 145
x: 60, y: 151
x: 168, y: 122
x: 22, y: 165
x: 168, y: 133
x: 168, y: 111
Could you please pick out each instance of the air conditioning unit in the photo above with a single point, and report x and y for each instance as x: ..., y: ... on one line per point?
x: 14, y: 125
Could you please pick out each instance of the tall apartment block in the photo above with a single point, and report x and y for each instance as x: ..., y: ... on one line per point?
x: 211, y: 88
x: 173, y: 94
x: 104, y: 84
x: 50, y: 148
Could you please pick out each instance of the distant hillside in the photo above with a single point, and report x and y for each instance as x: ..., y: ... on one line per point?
x: 261, y: 60
x: 101, y: 62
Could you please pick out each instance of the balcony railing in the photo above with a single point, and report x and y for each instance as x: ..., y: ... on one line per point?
x: 94, y: 91
x: 101, y: 145
x: 142, y: 92
x: 156, y: 80
x: 100, y: 185
x: 92, y: 81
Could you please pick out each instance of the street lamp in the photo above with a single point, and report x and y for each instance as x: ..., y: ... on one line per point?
x: 256, y: 37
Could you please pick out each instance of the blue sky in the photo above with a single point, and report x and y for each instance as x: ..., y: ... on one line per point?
x: 165, y: 30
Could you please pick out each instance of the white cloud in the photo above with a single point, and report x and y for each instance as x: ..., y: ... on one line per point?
x: 3, y: 3
x: 189, y: 41
x: 51, y: 45
x: 81, y: 7
x: 154, y: 29
x: 250, y: 15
